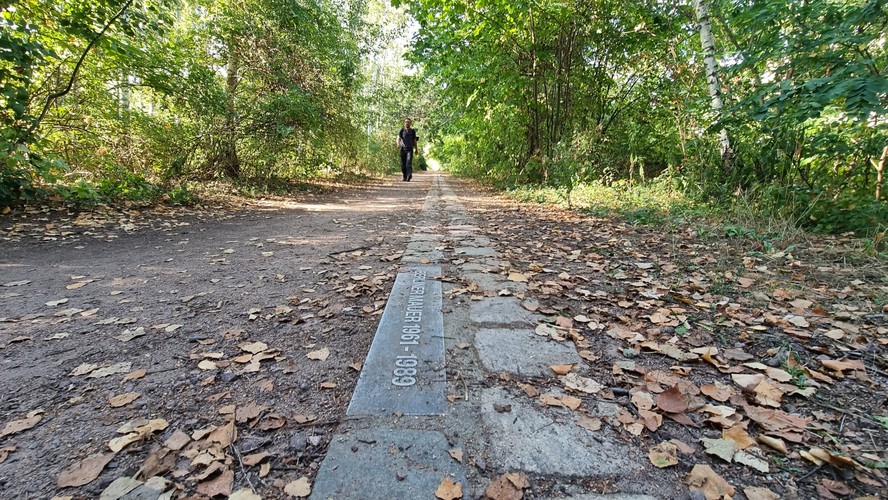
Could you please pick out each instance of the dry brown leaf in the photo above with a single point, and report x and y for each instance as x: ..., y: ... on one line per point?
x: 717, y: 391
x: 773, y: 442
x: 739, y: 436
x: 4, y: 452
x: 255, y: 458
x: 722, y: 448
x: 518, y: 479
x: 590, y: 423
x: 582, y: 384
x: 758, y: 493
x: 135, y: 375
x: 244, y: 494
x: 177, y: 440
x: 838, y: 366
x: 502, y: 488
x: 456, y: 454
x: 663, y: 455
x: 253, y: 347
x: 299, y: 488
x: 84, y: 471
x: 448, y: 490
x: 219, y: 485
x: 123, y: 399
x: 248, y: 412
x: 33, y: 418
x: 672, y: 401
x: 319, y: 355
x: 561, y: 369
x: 705, y: 480
x: 224, y: 435
x: 529, y: 390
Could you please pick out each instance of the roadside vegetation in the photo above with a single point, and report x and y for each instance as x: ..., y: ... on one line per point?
x: 775, y: 109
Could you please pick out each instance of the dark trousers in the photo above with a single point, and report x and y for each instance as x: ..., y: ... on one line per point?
x: 407, y: 163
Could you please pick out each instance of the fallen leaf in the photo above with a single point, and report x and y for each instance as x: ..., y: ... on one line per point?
x: 135, y: 375
x: 299, y: 488
x: 207, y: 365
x: 672, y: 401
x: 751, y: 460
x: 245, y: 493
x: 177, y: 440
x: 219, y: 485
x: 590, y: 423
x: 84, y: 471
x: 224, y: 435
x: 448, y: 490
x: 844, y: 364
x: 529, y: 390
x: 582, y: 384
x: 255, y: 458
x: 717, y: 391
x: 773, y: 442
x: 561, y: 369
x: 328, y: 385
x: 123, y: 399
x: 722, y: 448
x: 128, y: 334
x: 502, y: 488
x: 319, y: 355
x: 663, y: 455
x: 55, y: 303
x: 705, y: 480
x: 456, y: 454
x: 517, y: 277
x: 253, y: 347
x: 33, y: 418
x: 758, y: 493
x: 4, y: 452
x: 122, y: 367
x: 248, y: 412
x: 83, y: 369
x: 739, y: 436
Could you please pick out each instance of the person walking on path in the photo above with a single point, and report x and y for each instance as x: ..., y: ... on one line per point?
x: 407, y: 144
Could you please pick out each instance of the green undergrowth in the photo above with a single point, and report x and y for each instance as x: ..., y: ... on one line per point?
x: 772, y: 220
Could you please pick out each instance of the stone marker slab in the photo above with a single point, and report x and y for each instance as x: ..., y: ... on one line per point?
x: 501, y: 311
x: 522, y: 352
x: 551, y: 443
x: 404, y: 370
x: 366, y: 464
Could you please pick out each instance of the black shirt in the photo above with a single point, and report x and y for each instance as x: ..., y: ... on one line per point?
x: 408, y: 138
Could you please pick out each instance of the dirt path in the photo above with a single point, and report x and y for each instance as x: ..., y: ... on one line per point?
x: 231, y: 343
x: 299, y: 277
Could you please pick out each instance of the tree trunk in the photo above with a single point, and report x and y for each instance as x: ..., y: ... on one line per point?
x: 230, y: 163
x: 710, y: 65
x: 880, y: 167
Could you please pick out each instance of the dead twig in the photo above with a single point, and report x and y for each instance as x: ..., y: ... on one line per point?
x: 243, y: 469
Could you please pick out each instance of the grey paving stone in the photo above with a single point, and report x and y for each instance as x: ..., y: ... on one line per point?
x: 367, y: 463
x: 474, y: 267
x: 494, y: 282
x: 421, y: 246
x: 501, y: 311
x: 531, y: 440
x: 521, y: 352
x: 475, y: 251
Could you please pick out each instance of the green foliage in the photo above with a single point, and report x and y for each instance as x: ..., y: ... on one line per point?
x: 141, y: 96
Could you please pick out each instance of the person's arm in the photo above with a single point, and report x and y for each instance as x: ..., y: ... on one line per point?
x: 416, y: 145
x: 399, y: 144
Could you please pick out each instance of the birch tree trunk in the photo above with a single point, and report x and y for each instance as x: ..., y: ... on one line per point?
x: 701, y: 7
